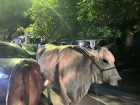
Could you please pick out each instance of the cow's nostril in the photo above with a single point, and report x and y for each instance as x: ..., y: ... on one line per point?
x: 119, y: 81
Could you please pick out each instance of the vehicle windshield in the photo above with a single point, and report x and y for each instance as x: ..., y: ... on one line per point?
x: 7, y: 51
x: 29, y: 48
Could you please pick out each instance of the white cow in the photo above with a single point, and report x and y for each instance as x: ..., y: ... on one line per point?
x: 73, y: 69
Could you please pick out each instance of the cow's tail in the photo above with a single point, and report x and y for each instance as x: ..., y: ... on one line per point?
x: 25, y: 89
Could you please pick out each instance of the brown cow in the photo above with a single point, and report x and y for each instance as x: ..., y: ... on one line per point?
x: 74, y: 68
x: 25, y: 85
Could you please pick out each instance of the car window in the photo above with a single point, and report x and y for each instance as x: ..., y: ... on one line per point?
x: 7, y: 51
x: 30, y: 48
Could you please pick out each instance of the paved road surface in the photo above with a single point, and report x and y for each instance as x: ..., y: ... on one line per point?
x: 57, y: 100
x: 113, y: 96
x: 98, y: 95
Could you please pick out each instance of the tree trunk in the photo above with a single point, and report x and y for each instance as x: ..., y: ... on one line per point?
x: 114, y: 41
x: 114, y: 48
x: 128, y: 49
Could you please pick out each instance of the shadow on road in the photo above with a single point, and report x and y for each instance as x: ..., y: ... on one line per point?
x: 56, y: 99
x: 113, y: 96
x: 86, y: 100
x: 43, y: 100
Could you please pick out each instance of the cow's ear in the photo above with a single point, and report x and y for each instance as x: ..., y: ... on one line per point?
x: 98, y: 45
x: 110, y: 45
x: 90, y: 51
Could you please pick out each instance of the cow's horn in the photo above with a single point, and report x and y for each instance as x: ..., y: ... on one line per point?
x: 98, y: 45
x: 110, y: 45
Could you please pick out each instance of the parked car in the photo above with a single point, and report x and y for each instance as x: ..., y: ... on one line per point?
x: 30, y: 49
x: 6, y: 40
x: 64, y: 43
x: 10, y: 55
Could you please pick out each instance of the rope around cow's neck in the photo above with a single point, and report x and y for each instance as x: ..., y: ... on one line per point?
x: 93, y: 60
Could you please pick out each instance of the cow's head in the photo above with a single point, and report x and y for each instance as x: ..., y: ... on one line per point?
x: 105, y: 60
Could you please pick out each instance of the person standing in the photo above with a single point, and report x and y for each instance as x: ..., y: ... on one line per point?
x: 88, y: 45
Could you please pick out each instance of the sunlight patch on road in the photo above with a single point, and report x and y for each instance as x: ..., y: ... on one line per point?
x: 96, y: 98
x: 55, y: 98
x: 108, y: 99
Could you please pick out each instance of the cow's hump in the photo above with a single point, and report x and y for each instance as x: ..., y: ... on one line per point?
x: 51, y: 47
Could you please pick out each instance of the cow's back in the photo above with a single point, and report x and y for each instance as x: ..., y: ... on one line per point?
x: 48, y: 63
x: 41, y: 49
x: 69, y: 62
x: 25, y: 83
x: 35, y: 83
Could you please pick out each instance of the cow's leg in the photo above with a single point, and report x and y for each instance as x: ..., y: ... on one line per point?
x: 49, y: 96
x: 69, y: 100
x: 48, y: 85
x: 64, y: 94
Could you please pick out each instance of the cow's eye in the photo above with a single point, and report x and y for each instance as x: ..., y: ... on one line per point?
x: 105, y: 61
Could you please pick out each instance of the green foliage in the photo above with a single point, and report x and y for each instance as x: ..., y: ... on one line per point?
x: 136, y: 28
x: 58, y: 19
x: 34, y: 30
x: 20, y: 29
x: 117, y: 14
x: 86, y: 18
x: 12, y: 11
x: 29, y: 29
x: 54, y: 19
x: 98, y: 32
x: 15, y: 34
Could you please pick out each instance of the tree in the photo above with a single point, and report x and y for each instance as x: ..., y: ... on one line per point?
x: 115, y: 14
x: 119, y: 14
x: 12, y: 12
x: 20, y: 31
x: 98, y: 32
x: 55, y: 19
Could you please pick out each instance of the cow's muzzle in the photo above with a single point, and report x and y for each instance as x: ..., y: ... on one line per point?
x: 120, y: 82
x: 115, y: 82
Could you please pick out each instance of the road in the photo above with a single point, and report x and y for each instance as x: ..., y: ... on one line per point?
x: 55, y: 95
x: 113, y: 96
x: 97, y: 95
